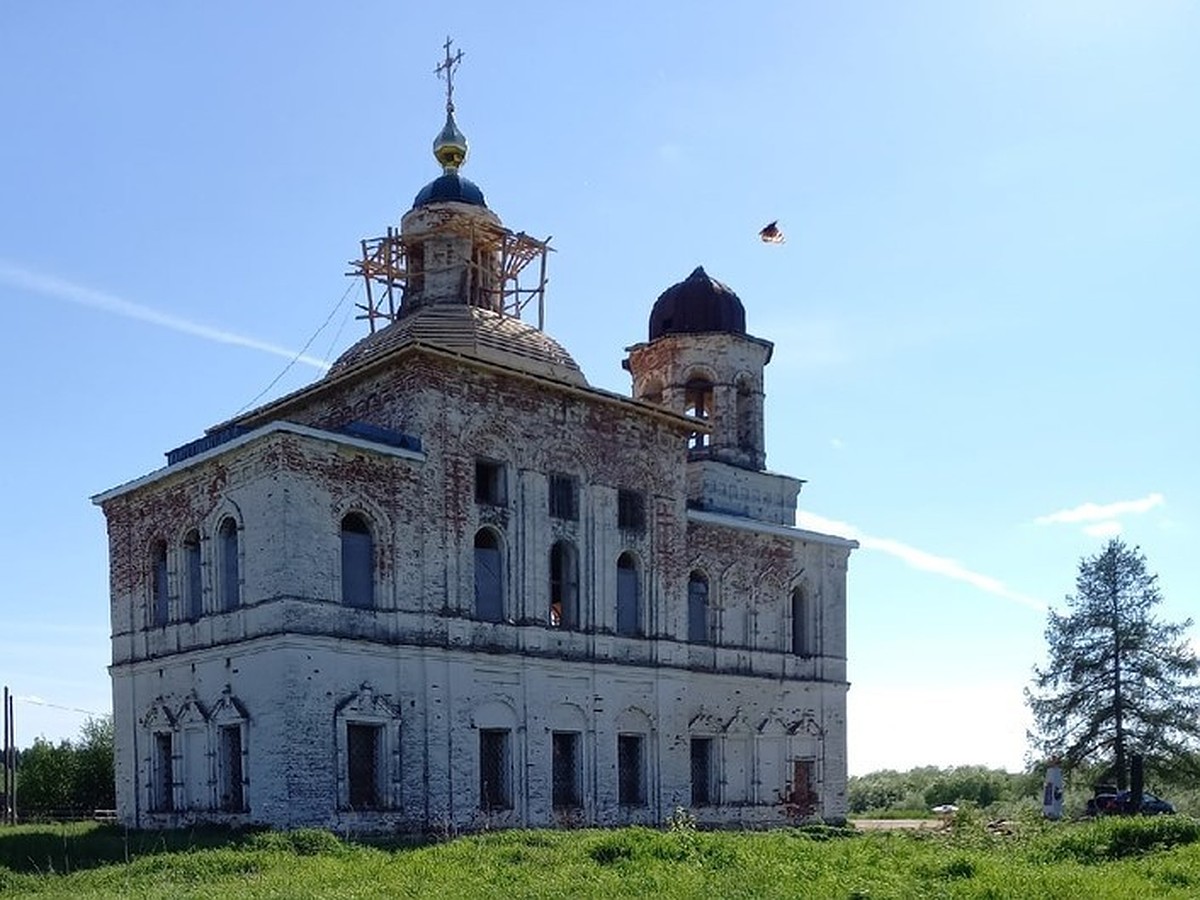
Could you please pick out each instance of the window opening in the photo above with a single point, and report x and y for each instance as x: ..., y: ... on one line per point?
x: 159, y: 587
x: 698, y: 402
x: 363, y: 765
x: 358, y: 562
x: 229, y: 764
x: 489, y: 577
x: 495, y: 788
x: 230, y: 576
x: 800, y: 645
x: 564, y: 498
x: 566, y: 769
x: 702, y: 793
x: 164, y: 774
x: 194, y: 582
x: 698, y: 608
x: 489, y: 483
x: 631, y: 781
x: 631, y: 510
x: 564, y: 585
x: 629, y: 613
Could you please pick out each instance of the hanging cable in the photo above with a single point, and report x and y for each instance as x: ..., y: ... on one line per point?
x: 300, y: 353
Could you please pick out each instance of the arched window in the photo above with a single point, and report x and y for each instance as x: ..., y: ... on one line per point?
x: 489, y: 576
x: 564, y: 585
x: 193, y: 580
x: 160, y: 598
x: 800, y: 625
x: 358, y: 562
x: 229, y: 579
x: 698, y: 608
x: 698, y: 402
x: 629, y: 601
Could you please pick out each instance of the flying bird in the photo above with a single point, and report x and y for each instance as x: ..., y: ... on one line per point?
x: 771, y: 234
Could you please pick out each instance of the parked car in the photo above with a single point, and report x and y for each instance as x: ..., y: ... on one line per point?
x: 1120, y: 804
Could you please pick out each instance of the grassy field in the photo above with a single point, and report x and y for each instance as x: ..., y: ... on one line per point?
x: 1103, y: 859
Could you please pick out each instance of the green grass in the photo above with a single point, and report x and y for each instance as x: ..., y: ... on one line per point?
x: 1117, y: 858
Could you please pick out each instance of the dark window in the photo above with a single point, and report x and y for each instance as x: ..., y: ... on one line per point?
x: 702, y: 794
x: 564, y: 585
x: 362, y: 764
x: 565, y: 747
x: 358, y: 562
x: 194, y: 582
x: 230, y: 587
x: 697, y: 608
x: 161, y: 599
x: 495, y: 787
x: 629, y: 605
x: 489, y: 483
x: 489, y: 577
x: 230, y: 765
x: 631, y: 511
x: 564, y: 497
x: 698, y: 402
x: 800, y: 646
x: 164, y: 773
x: 631, y: 781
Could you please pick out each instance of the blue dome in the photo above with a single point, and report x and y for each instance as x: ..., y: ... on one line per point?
x: 450, y: 187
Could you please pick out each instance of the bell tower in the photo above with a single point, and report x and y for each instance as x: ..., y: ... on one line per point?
x: 700, y: 361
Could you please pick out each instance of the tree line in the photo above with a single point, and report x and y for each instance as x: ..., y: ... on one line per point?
x: 70, y: 778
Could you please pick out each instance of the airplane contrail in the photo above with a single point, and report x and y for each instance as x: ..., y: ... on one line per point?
x: 60, y: 289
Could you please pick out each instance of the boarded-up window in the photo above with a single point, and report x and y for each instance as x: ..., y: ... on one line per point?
x: 229, y: 768
x: 489, y: 483
x: 160, y: 605
x: 363, y: 765
x: 629, y: 602
x: 163, y: 798
x: 702, y: 771
x: 193, y: 579
x: 489, y: 576
x: 800, y: 627
x: 495, y: 765
x: 566, y: 769
x: 230, y: 576
x: 697, y: 608
x: 358, y: 562
x: 564, y: 497
x: 631, y: 511
x: 631, y: 778
x: 564, y: 585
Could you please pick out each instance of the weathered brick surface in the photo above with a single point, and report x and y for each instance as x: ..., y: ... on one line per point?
x: 418, y: 666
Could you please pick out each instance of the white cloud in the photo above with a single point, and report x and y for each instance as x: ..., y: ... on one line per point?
x: 836, y: 443
x: 918, y: 559
x: 1111, y: 528
x: 58, y: 288
x: 1102, y: 512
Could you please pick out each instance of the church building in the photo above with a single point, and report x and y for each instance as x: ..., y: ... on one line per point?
x: 452, y: 585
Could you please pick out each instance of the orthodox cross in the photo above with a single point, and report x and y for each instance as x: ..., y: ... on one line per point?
x: 447, y: 67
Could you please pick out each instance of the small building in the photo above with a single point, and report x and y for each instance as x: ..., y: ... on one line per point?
x: 453, y: 585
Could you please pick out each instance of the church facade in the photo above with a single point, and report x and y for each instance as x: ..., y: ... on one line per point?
x: 452, y: 585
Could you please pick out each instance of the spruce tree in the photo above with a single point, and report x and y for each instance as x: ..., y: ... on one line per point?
x: 1118, y: 680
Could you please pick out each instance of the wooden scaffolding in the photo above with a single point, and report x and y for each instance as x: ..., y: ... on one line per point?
x: 391, y: 264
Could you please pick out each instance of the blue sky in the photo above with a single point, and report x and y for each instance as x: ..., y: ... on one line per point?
x: 985, y: 314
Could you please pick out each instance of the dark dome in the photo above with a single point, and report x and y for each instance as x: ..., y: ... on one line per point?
x: 695, y: 305
x: 450, y: 187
